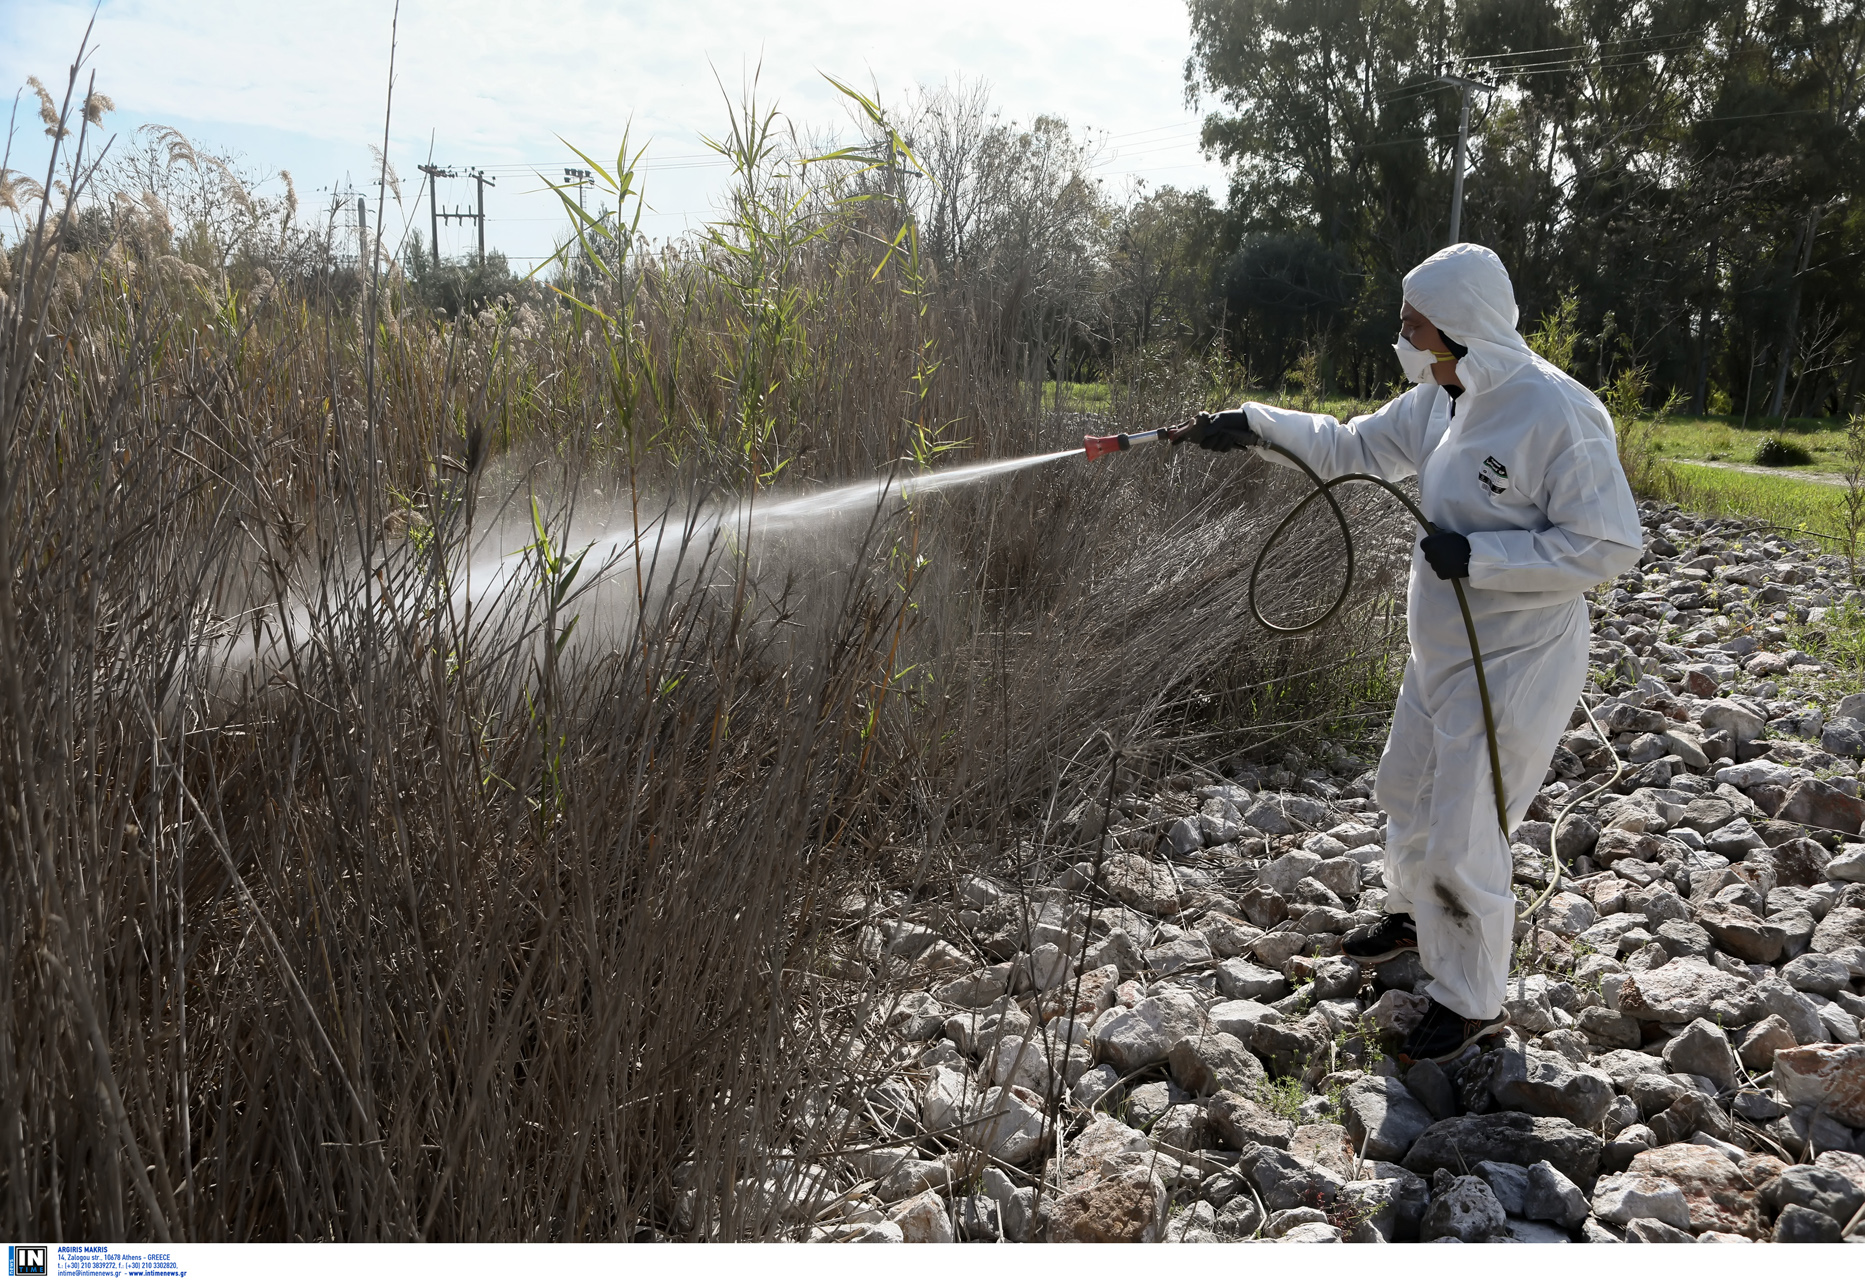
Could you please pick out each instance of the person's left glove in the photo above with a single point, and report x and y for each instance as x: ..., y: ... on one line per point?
x: 1221, y: 432
x: 1447, y: 553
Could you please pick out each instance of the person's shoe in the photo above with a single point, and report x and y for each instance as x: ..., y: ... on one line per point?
x: 1443, y: 1033
x: 1374, y: 943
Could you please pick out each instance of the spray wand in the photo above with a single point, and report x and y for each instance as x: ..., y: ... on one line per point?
x: 1101, y: 446
x: 1220, y: 431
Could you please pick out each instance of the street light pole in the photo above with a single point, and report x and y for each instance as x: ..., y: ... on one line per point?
x: 582, y: 178
x: 1464, y: 87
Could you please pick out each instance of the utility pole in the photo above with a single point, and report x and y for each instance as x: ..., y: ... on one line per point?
x: 1464, y: 87
x: 434, y: 171
x: 582, y: 178
x: 479, y: 176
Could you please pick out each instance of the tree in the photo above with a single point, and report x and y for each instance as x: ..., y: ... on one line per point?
x: 1687, y: 170
x: 1164, y: 261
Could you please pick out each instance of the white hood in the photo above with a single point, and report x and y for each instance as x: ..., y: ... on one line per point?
x: 1465, y: 291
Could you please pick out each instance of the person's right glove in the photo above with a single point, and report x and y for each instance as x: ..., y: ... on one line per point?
x: 1222, y: 432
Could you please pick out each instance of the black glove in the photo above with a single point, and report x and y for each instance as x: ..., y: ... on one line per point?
x: 1222, y: 432
x: 1447, y: 553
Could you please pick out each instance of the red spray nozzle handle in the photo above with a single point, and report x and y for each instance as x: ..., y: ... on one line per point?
x: 1095, y: 446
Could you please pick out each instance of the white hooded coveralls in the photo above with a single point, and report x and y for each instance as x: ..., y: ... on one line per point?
x: 1525, y: 465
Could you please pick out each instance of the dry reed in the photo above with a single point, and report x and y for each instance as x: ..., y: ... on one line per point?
x: 531, y: 916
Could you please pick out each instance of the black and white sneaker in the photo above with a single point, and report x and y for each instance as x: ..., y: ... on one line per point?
x: 1376, y: 943
x: 1443, y: 1033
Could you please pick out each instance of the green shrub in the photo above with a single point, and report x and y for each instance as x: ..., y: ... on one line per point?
x: 1776, y: 452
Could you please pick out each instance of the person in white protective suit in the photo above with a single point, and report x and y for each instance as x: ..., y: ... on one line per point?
x: 1518, y: 469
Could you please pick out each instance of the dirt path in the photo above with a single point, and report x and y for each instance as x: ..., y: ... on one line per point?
x: 1814, y: 477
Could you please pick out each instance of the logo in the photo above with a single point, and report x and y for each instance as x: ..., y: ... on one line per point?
x: 1483, y: 479
x: 25, y: 1260
x: 1491, y: 464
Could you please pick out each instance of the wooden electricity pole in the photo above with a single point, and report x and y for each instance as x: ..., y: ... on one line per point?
x: 1464, y: 87
x: 434, y: 171
x: 479, y: 176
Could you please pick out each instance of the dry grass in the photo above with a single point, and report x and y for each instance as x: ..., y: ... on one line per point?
x: 512, y: 918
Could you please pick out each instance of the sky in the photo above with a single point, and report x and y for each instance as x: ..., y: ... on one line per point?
x: 502, y: 86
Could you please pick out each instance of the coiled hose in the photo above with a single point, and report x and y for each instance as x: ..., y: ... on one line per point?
x: 1324, y: 489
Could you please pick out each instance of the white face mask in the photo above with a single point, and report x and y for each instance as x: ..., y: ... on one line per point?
x: 1417, y: 364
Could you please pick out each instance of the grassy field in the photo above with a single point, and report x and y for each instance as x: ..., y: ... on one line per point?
x: 1800, y: 506
x: 1726, y: 439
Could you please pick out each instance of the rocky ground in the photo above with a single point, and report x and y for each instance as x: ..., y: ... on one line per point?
x: 1170, y: 1046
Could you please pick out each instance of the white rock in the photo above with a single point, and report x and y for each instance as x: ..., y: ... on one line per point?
x: 1841, y: 1027
x: 1241, y: 980
x: 1267, y: 816
x: 1020, y: 1061
x: 1853, y: 958
x: 1528, y: 1007
x: 1354, y: 834
x: 1140, y: 1036
x: 1849, y: 863
x: 1185, y: 837
x: 947, y: 1099
x: 1743, y: 724
x: 1569, y: 914
x: 1396, y: 1012
x: 923, y: 1219
x: 1219, y: 821
x: 1290, y: 869
x: 1009, y: 1124
x: 1196, y: 1224
x: 874, y: 1233
x: 1096, y: 1086
x: 977, y: 892
x: 1312, y: 1233
x: 1757, y: 772
x: 1117, y: 949
x: 1044, y: 969
x: 976, y: 990
x: 1240, y: 1017
x: 1553, y: 1197
x: 1621, y: 1197
x: 1527, y: 1231
x: 1686, y: 748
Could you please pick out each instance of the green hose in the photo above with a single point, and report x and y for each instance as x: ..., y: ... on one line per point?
x: 1324, y: 489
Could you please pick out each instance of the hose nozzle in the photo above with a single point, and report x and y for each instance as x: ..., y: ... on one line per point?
x: 1097, y: 446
